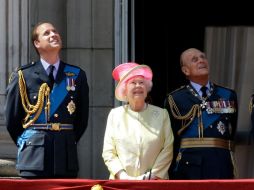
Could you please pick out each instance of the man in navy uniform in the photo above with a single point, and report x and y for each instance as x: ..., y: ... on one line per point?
x: 204, y: 118
x: 47, y: 110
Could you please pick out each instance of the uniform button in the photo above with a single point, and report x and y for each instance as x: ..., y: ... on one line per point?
x: 35, y: 97
x: 187, y: 163
x: 29, y: 143
x: 55, y: 115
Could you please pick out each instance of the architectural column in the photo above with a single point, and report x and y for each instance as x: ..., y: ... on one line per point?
x: 13, y: 53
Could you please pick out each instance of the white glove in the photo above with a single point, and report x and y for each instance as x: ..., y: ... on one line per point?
x: 147, y: 176
x: 123, y: 175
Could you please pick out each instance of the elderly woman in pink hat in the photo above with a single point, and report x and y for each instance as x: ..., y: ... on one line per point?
x: 138, y: 141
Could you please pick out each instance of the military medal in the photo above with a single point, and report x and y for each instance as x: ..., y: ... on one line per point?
x: 68, y: 87
x: 221, y: 106
x: 70, y: 82
x: 71, y: 107
x: 73, y: 88
x: 203, y: 104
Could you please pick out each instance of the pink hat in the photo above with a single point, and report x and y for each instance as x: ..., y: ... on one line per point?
x: 123, y: 72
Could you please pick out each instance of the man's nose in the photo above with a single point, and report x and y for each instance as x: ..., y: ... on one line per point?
x: 52, y: 33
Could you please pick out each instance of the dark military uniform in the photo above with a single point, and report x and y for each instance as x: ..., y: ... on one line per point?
x: 251, y: 109
x: 204, y: 130
x: 47, y: 147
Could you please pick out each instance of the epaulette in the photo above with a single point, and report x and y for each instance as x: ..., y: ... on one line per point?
x: 180, y: 88
x: 11, y: 77
x: 19, y: 68
x: 225, y: 87
x: 72, y: 65
x: 22, y: 67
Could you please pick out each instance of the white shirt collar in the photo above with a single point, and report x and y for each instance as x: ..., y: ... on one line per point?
x: 46, y: 66
x: 197, y: 87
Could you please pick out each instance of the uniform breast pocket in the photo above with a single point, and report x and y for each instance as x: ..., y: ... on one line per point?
x: 31, y: 154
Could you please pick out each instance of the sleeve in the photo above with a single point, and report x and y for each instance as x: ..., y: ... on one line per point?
x: 175, y: 127
x: 109, y: 153
x: 165, y: 157
x: 14, y: 112
x: 81, y: 120
x: 234, y: 116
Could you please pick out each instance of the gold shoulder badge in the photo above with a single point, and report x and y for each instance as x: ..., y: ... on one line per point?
x: 11, y: 77
x: 69, y: 74
x: 71, y: 107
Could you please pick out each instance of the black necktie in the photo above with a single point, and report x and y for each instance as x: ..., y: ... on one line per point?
x: 51, y: 76
x: 203, y: 90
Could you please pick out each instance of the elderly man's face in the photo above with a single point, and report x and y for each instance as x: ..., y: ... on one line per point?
x: 195, y: 64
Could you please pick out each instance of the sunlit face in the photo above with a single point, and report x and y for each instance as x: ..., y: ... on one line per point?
x: 136, y: 89
x: 48, y: 38
x: 195, y: 64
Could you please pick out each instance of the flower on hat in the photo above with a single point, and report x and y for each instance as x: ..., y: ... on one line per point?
x: 123, y: 72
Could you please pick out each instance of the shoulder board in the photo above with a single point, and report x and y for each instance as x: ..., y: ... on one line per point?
x: 180, y: 88
x: 11, y: 77
x: 71, y: 65
x: 22, y: 67
x: 225, y: 87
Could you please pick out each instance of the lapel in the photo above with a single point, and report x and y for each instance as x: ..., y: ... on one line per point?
x: 40, y: 73
x: 215, y: 95
x: 192, y: 94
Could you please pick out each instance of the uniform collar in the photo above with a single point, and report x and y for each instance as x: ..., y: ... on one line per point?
x: 197, y: 87
x: 46, y: 65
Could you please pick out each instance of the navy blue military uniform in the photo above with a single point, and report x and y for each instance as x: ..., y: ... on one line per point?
x: 204, y: 130
x: 47, y: 147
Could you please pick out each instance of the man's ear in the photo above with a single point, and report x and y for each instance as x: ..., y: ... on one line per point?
x: 185, y: 70
x: 36, y: 43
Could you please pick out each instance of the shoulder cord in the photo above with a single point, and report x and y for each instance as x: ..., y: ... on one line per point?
x: 30, y: 109
x: 188, y: 118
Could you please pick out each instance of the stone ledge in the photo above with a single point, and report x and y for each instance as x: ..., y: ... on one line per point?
x: 8, y: 168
